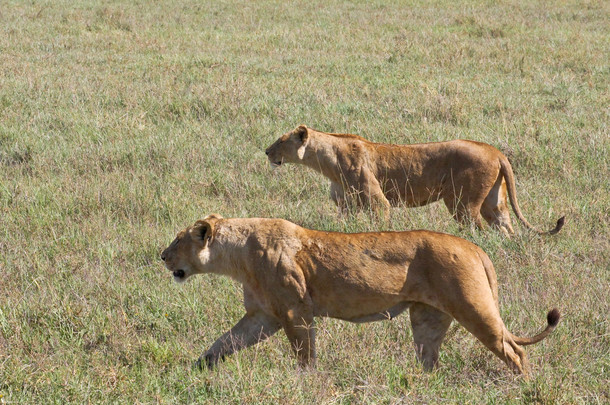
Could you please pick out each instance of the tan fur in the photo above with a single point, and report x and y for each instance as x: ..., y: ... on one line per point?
x: 472, y: 178
x: 291, y: 275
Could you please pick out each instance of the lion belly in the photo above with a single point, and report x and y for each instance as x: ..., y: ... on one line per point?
x: 412, y: 187
x: 365, y: 314
x: 357, y: 305
x: 405, y: 193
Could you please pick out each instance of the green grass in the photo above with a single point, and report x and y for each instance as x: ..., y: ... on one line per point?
x: 123, y: 122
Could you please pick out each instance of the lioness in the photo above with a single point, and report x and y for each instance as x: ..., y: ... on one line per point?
x: 470, y: 177
x: 291, y: 274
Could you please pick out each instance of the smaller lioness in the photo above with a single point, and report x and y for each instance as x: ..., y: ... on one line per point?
x: 291, y: 275
x: 470, y: 177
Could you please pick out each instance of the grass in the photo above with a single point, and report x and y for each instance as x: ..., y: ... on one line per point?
x: 123, y: 122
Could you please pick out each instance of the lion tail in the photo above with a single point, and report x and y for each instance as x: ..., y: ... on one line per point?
x: 507, y: 171
x: 552, y: 319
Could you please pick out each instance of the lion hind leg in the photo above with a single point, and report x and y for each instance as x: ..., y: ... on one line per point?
x: 429, y: 329
x: 514, y: 356
x: 489, y: 329
x: 509, y: 352
x: 495, y: 207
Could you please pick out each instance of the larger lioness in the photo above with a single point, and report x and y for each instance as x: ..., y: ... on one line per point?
x: 470, y: 177
x: 291, y: 275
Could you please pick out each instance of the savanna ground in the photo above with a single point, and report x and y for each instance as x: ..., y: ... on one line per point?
x: 123, y: 122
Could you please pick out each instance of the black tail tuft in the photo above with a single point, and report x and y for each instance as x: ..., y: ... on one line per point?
x: 559, y: 225
x: 553, y: 317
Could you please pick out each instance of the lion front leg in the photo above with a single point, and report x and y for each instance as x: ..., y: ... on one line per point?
x: 337, y: 194
x: 368, y: 192
x: 251, y: 329
x: 300, y: 330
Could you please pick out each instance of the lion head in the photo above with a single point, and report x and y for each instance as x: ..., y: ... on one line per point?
x: 190, y: 253
x: 290, y: 147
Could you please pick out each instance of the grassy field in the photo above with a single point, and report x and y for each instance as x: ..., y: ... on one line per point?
x: 125, y: 121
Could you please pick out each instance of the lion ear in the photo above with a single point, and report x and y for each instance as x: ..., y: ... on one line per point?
x: 302, y: 133
x: 203, y: 230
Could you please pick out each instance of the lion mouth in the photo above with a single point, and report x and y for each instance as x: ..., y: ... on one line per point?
x: 275, y: 164
x: 179, y: 274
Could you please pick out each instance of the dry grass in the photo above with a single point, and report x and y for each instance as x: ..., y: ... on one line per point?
x: 121, y: 123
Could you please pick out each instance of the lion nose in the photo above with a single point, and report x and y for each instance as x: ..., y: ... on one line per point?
x: 163, y: 256
x: 267, y: 152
